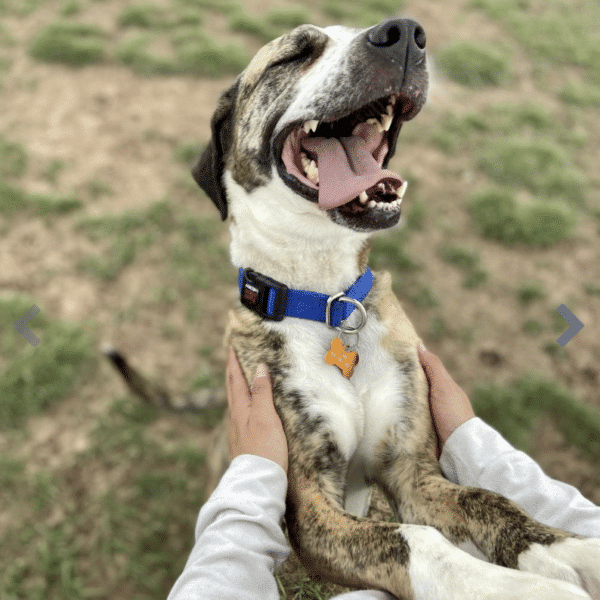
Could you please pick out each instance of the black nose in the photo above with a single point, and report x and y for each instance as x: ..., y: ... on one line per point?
x: 398, y: 37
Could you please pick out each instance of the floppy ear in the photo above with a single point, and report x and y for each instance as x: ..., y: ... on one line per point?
x: 208, y: 171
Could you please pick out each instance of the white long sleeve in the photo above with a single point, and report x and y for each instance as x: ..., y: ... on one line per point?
x: 477, y: 455
x: 239, y: 541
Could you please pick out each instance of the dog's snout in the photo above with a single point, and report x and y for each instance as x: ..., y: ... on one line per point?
x: 397, y: 37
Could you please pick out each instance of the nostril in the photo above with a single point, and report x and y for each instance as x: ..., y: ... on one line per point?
x: 420, y: 37
x: 393, y: 35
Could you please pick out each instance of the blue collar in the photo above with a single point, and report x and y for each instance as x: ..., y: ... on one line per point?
x: 274, y: 300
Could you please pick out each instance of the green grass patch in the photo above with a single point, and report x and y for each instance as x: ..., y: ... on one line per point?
x: 533, y: 327
x: 498, y: 217
x: 13, y: 199
x: 139, y: 544
x: 288, y: 17
x: 69, y: 43
x: 463, y: 258
x: 188, y: 152
x: 70, y: 8
x: 475, y: 64
x: 20, y: 8
x: 193, y: 53
x: 561, y: 32
x: 541, y: 166
x: 364, y: 13
x: 37, y: 377
x: 514, y: 409
x: 592, y: 289
x: 580, y: 94
x: 389, y: 252
x: 223, y: 6
x: 13, y: 159
x: 468, y: 261
x: 142, y: 15
x: 519, y: 119
x: 529, y: 292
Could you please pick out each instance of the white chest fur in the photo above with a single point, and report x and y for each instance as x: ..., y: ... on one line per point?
x: 359, y: 410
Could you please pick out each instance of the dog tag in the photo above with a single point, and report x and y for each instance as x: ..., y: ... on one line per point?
x: 342, y: 358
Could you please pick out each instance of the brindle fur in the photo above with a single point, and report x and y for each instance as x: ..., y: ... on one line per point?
x: 237, y: 172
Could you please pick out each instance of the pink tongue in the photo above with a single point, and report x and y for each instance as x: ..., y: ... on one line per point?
x: 346, y: 168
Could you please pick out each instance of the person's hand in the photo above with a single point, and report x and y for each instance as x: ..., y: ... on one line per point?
x: 254, y: 426
x: 450, y: 406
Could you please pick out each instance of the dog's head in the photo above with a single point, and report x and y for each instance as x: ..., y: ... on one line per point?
x: 317, y: 112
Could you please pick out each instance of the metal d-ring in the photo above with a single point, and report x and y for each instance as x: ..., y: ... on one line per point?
x: 340, y: 296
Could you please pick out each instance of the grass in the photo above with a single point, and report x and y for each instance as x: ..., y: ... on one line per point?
x: 13, y: 159
x: 389, y: 252
x: 514, y: 409
x: 13, y: 199
x: 529, y: 292
x: 539, y: 165
x: 466, y: 260
x: 128, y: 537
x: 499, y: 218
x: 475, y: 64
x: 558, y: 32
x: 194, y: 252
x: 36, y: 378
x: 193, y: 53
x: 69, y: 43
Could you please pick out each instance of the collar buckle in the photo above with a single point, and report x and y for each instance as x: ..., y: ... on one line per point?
x: 264, y: 295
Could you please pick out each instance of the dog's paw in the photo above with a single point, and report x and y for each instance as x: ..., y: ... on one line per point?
x: 573, y: 560
x: 439, y: 570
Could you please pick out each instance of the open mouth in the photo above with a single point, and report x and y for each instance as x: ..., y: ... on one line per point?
x: 341, y: 163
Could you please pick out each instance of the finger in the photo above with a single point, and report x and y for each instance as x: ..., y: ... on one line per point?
x: 262, y: 395
x: 426, y: 360
x: 238, y: 393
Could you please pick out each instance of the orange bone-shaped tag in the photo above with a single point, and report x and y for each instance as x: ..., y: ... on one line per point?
x: 341, y: 358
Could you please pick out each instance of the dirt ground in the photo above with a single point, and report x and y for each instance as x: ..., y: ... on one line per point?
x: 96, y: 120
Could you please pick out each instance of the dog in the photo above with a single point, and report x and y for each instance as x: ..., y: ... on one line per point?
x: 297, y: 160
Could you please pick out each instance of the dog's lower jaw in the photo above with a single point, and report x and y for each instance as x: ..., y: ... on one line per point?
x: 309, y: 254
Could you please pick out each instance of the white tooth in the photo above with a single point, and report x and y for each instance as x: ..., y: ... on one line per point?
x: 312, y: 171
x: 400, y: 193
x: 381, y: 186
x: 311, y: 126
x: 305, y: 161
x: 389, y: 109
x: 395, y: 204
x: 387, y: 121
x: 377, y: 124
x: 363, y: 197
x: 372, y: 204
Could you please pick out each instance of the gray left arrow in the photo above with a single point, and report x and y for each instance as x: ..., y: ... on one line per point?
x: 21, y: 326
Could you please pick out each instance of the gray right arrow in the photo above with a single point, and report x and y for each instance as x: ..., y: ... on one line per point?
x: 573, y: 321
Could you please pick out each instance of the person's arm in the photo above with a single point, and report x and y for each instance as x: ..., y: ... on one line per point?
x: 475, y: 454
x: 239, y: 540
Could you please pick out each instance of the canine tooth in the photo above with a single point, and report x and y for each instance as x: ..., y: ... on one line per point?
x: 387, y: 121
x: 400, y: 193
x: 374, y: 121
x: 363, y: 197
x: 311, y: 125
x: 372, y: 204
x: 389, y: 109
